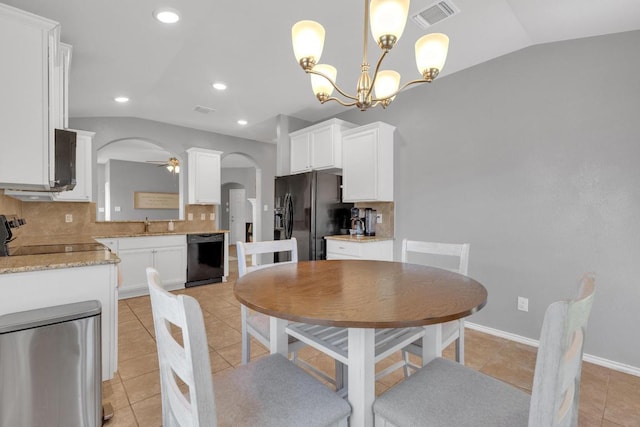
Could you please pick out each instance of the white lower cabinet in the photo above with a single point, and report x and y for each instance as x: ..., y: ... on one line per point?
x: 167, y: 254
x: 379, y: 250
x: 45, y: 288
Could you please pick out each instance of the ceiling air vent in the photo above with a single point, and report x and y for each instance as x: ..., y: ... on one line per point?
x: 433, y: 13
x: 204, y: 110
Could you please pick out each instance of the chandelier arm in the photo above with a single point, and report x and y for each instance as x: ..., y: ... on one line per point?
x: 375, y: 73
x: 334, y: 84
x: 341, y: 102
x: 403, y: 88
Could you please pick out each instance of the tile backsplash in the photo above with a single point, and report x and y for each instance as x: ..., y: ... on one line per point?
x: 49, y: 219
x: 387, y: 210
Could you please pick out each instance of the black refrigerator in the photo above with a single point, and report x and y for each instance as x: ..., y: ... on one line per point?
x: 308, y: 206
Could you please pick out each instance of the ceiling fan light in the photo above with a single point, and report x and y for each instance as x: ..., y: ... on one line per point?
x: 388, y: 18
x: 431, y: 52
x: 320, y: 84
x: 387, y: 82
x: 176, y: 169
x: 308, y: 40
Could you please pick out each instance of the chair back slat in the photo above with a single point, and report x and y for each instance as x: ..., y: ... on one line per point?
x: 188, y: 361
x: 245, y: 249
x: 460, y: 250
x: 555, y: 392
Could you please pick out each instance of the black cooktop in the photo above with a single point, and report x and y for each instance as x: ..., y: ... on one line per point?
x: 55, y: 249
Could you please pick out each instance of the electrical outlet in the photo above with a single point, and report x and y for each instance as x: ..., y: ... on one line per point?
x: 117, y: 209
x: 68, y: 218
x: 379, y: 219
x: 190, y: 216
x: 523, y: 304
x: 266, y: 208
x: 203, y: 216
x: 212, y: 216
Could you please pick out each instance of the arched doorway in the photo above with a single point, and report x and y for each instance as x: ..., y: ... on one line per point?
x: 242, y: 172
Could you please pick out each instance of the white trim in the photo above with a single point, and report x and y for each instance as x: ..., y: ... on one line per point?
x: 616, y: 366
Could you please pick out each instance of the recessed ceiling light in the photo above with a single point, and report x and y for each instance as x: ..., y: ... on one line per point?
x: 121, y: 99
x: 242, y: 122
x: 166, y: 15
x: 219, y: 86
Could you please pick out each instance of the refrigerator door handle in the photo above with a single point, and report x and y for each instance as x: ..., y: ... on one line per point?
x: 288, y: 216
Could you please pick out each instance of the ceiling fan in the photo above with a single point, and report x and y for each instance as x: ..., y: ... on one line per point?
x: 172, y: 165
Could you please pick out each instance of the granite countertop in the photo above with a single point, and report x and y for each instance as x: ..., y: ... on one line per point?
x: 358, y: 239
x: 154, y: 233
x: 19, y: 264
x: 23, y: 263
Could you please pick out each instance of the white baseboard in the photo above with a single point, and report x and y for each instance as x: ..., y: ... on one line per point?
x: 616, y: 366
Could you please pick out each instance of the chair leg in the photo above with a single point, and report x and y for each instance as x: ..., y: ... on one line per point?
x: 246, y: 339
x: 340, y: 377
x: 405, y: 356
x: 460, y: 345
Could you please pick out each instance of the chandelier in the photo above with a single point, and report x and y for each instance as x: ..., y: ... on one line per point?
x: 388, y: 18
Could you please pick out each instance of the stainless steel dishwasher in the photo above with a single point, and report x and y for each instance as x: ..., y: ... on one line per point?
x: 50, y: 366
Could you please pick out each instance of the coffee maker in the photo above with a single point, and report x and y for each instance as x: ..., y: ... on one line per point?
x: 357, y: 224
x: 370, y: 217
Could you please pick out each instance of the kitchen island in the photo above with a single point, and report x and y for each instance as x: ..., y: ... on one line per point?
x: 35, y: 281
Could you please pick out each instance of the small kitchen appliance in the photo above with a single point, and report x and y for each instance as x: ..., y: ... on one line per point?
x: 357, y: 223
x: 5, y: 236
x: 370, y: 217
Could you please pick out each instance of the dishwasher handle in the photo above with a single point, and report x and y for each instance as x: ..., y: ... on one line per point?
x: 205, y: 238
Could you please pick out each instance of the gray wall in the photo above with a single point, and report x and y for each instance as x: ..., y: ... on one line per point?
x: 177, y: 139
x: 126, y: 178
x: 533, y: 158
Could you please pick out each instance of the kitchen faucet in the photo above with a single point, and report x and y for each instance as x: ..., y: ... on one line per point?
x: 146, y: 224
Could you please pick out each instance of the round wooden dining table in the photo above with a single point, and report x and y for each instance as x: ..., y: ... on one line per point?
x: 361, y: 296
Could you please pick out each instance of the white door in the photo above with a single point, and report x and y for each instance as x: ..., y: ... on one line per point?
x: 237, y: 206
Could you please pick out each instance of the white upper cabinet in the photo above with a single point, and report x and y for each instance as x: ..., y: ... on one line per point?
x: 204, y: 176
x: 318, y: 147
x: 30, y: 52
x: 367, y: 169
x: 82, y: 191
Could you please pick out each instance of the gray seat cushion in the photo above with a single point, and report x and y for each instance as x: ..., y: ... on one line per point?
x: 445, y: 393
x: 272, y: 391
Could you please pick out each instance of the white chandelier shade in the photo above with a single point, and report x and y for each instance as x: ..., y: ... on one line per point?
x: 388, y: 17
x: 320, y: 85
x: 308, y: 40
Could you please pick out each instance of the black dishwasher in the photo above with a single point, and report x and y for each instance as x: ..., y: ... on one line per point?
x: 205, y: 259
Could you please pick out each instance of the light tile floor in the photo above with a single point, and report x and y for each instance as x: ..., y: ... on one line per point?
x: 607, y: 398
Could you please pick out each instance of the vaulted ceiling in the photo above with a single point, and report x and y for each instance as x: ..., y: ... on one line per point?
x: 167, y: 70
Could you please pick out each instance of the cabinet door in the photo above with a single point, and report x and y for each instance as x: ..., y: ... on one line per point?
x: 171, y: 263
x: 300, y: 153
x: 204, y: 177
x: 360, y: 172
x: 24, y: 103
x: 323, y: 153
x: 133, y: 265
x: 82, y: 191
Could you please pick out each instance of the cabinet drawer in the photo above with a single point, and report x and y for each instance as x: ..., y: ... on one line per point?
x: 344, y: 248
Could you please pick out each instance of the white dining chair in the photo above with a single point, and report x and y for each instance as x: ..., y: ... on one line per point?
x: 270, y: 391
x: 445, y: 393
x: 255, y: 324
x: 433, y: 253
